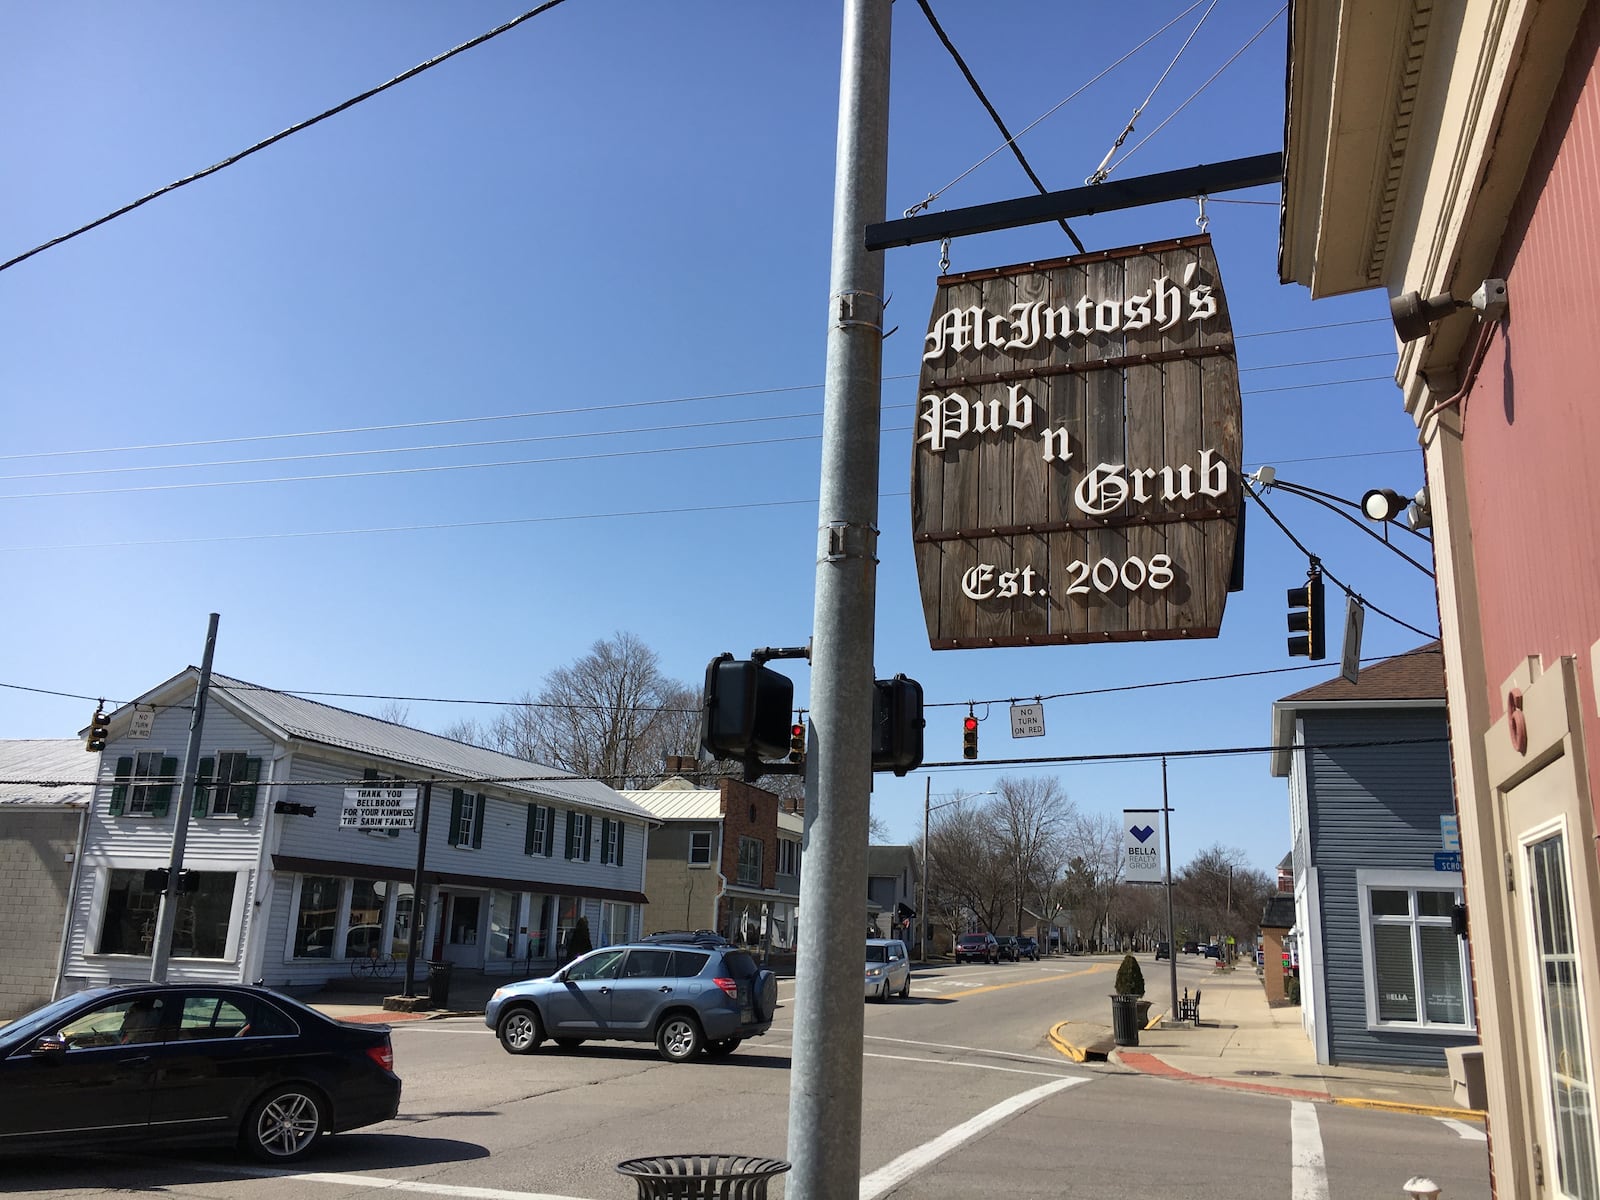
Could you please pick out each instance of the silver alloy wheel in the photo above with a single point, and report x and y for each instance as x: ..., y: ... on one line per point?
x: 678, y: 1039
x: 286, y: 1124
x: 519, y: 1031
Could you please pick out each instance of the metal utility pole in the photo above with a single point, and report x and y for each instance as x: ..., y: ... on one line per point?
x: 825, y: 1079
x: 167, y: 916
x: 927, y: 810
x: 418, y: 908
x: 1172, y: 933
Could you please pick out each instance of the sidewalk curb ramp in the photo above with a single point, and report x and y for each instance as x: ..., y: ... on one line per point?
x: 1082, y: 1041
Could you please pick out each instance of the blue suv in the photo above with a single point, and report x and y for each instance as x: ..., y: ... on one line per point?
x: 688, y: 996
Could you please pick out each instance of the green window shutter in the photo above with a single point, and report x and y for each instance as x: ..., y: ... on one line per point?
x: 622, y: 840
x: 477, y: 821
x: 247, y: 795
x: 369, y: 773
x: 588, y: 837
x: 527, y: 837
x: 456, y: 801
x: 119, y: 790
x: 161, y: 796
x: 549, y: 832
x: 605, y: 836
x: 572, y: 838
x: 202, y: 786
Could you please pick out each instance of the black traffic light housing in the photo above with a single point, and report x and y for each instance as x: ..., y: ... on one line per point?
x: 1305, y: 617
x: 969, y: 736
x: 797, y: 742
x: 897, y: 725
x: 99, y: 729
x: 747, y: 709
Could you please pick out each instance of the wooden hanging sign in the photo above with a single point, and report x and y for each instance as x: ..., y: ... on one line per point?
x: 1075, y: 464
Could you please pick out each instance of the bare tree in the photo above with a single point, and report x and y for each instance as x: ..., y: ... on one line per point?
x: 1031, y: 818
x: 394, y: 712
x: 1094, y: 866
x: 966, y: 868
x: 610, y: 715
x: 1220, y: 896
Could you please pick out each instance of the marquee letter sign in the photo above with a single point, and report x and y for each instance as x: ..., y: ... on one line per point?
x: 1075, y: 465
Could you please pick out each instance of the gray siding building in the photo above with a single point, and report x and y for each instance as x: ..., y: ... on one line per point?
x: 1384, y: 979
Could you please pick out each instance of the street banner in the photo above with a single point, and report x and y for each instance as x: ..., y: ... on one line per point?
x: 1141, y: 846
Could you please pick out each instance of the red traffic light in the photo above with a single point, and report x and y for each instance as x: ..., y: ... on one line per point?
x: 970, y: 724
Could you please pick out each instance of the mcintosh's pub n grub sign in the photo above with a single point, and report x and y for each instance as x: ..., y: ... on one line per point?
x: 1074, y: 474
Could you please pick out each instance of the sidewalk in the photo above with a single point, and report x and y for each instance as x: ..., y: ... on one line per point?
x: 1242, y: 1042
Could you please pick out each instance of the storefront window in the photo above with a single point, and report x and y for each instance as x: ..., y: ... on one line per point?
x: 1415, y: 961
x: 129, y: 926
x: 202, y: 912
x: 501, y: 916
x: 568, y: 910
x: 316, y: 916
x: 364, y: 932
x: 400, y: 928
x: 536, y: 924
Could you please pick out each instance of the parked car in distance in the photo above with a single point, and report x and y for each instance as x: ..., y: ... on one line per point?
x: 1191, y: 947
x: 189, y: 1063
x: 1028, y: 947
x: 685, y: 996
x: 977, y: 947
x: 1008, y: 948
x: 888, y: 969
x: 1163, y: 950
x: 1213, y: 951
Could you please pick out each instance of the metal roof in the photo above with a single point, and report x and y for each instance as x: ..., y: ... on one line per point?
x: 678, y: 803
x: 60, y: 760
x: 296, y: 718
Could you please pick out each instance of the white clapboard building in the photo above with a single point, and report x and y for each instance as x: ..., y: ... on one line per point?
x: 300, y: 857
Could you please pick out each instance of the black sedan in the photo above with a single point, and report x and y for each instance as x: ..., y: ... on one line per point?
x: 190, y: 1063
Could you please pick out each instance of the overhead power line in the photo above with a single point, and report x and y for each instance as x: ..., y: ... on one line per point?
x: 977, y: 90
x: 279, y: 136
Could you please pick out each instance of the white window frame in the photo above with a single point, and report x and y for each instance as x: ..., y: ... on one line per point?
x: 102, y: 881
x: 144, y: 782
x: 694, y: 838
x: 225, y: 789
x: 610, y: 842
x: 544, y: 819
x: 788, y: 856
x: 1411, y: 881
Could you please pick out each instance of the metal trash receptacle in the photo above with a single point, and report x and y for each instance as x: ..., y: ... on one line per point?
x: 702, y: 1176
x: 1125, y: 1020
x: 439, y: 983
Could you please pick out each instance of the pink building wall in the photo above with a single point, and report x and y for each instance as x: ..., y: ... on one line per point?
x: 1532, y: 415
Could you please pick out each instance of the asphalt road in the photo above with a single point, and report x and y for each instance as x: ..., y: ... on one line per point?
x: 964, y: 1098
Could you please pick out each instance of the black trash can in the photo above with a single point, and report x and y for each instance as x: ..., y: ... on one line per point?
x: 702, y: 1176
x: 1125, y: 1020
x: 439, y: 983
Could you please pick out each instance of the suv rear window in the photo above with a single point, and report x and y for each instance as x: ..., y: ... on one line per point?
x: 739, y: 964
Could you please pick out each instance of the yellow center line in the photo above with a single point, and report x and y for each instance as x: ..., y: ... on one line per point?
x: 1096, y: 969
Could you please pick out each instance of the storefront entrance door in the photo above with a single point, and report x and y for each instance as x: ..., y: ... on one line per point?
x: 463, y: 928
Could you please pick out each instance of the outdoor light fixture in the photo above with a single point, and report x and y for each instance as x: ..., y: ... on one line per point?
x: 1383, y: 504
x: 1386, y: 504
x: 1413, y: 316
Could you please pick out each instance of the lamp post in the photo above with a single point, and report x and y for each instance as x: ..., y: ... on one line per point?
x: 927, y: 811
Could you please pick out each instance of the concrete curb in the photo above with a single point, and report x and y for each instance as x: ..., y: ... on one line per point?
x: 1077, y: 1053
x: 1420, y: 1110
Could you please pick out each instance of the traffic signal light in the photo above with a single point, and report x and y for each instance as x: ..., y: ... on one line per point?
x: 969, y: 736
x: 897, y: 725
x: 797, y: 742
x: 1305, y: 618
x: 98, y: 729
x: 747, y: 709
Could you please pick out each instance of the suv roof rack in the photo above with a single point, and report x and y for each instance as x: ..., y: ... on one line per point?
x: 695, y: 937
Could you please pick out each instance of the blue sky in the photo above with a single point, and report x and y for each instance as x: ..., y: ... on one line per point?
x: 594, y: 252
